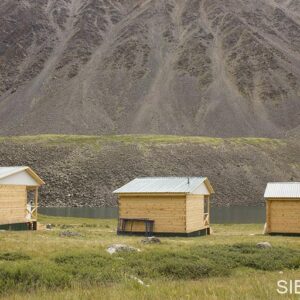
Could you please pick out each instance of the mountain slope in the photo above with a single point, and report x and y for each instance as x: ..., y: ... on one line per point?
x: 196, y: 67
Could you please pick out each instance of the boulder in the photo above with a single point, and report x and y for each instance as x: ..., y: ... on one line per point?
x: 141, y: 282
x: 116, y: 248
x: 49, y: 226
x: 263, y: 245
x: 68, y: 233
x: 151, y: 240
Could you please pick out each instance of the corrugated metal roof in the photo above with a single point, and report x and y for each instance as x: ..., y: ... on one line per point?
x: 161, y: 185
x: 7, y: 171
x: 282, y: 190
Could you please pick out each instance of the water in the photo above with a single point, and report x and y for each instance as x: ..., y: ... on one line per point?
x: 219, y: 215
x: 238, y: 215
x: 81, y: 212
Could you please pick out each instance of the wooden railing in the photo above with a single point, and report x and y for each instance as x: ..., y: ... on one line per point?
x: 32, y: 213
x: 206, y: 219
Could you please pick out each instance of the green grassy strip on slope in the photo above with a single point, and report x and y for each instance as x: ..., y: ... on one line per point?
x: 136, y: 139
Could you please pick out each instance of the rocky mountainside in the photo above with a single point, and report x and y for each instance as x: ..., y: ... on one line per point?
x: 83, y: 171
x: 192, y: 67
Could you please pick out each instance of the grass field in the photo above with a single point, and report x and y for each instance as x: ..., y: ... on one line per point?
x: 225, y: 265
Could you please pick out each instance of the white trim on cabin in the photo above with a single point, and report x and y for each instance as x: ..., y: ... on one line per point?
x: 21, y: 178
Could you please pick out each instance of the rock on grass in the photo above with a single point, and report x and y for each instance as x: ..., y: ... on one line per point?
x: 121, y: 248
x: 151, y: 240
x: 264, y: 245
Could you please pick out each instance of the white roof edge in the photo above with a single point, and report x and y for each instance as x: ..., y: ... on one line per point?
x: 6, y: 172
x: 208, y: 186
x: 12, y: 171
x: 203, y: 181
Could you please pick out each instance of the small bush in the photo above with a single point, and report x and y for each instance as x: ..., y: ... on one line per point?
x: 243, y: 248
x: 25, y: 276
x: 13, y: 256
x: 181, y: 264
x: 91, y: 267
x: 89, y: 225
x: 248, y: 255
x: 66, y: 226
x: 78, y: 260
x: 187, y: 269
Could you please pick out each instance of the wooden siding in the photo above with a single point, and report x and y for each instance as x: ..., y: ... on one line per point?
x: 13, y: 200
x: 168, y: 212
x: 283, y: 216
x: 194, y: 213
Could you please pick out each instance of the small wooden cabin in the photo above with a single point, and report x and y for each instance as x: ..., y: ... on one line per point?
x: 18, y: 198
x: 283, y: 207
x: 165, y: 206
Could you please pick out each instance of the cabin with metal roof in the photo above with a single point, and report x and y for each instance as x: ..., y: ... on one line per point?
x: 165, y: 206
x: 282, y: 207
x: 18, y: 197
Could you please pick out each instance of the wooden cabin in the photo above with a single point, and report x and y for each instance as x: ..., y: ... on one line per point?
x: 18, y: 198
x: 165, y: 206
x: 283, y: 207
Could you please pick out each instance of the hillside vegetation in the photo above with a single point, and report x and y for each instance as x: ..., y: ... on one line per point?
x: 84, y: 170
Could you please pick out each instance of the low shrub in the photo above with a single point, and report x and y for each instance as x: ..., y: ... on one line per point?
x: 188, y: 269
x: 25, y: 276
x: 248, y: 255
x: 88, y: 225
x: 13, y: 256
x: 91, y: 267
x: 19, y: 272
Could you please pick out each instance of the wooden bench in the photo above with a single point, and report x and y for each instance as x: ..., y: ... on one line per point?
x: 149, y: 224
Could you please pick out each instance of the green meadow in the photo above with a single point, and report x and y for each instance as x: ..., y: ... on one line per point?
x: 225, y: 265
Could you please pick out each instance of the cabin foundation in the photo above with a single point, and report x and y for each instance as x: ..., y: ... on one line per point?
x: 202, y: 232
